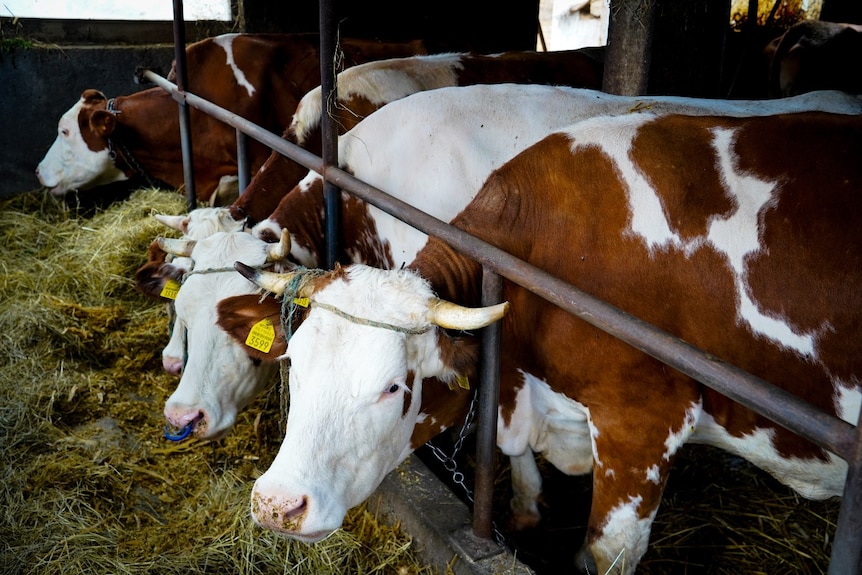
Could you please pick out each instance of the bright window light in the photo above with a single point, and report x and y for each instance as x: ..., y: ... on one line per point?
x: 115, y: 9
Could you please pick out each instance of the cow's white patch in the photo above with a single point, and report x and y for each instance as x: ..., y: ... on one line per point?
x: 551, y: 424
x: 379, y: 82
x: 675, y: 440
x: 653, y: 474
x: 308, y: 182
x: 737, y: 236
x: 624, y: 538
x: 226, y: 42
x: 811, y: 478
x: 848, y: 401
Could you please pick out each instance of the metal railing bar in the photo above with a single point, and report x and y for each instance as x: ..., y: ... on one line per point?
x: 185, y: 120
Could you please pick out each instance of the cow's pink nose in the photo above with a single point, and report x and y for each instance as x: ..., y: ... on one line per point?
x: 172, y: 365
x: 280, y: 514
x: 180, y: 418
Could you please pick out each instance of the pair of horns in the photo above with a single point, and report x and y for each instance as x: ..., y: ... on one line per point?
x: 184, y: 247
x: 441, y: 313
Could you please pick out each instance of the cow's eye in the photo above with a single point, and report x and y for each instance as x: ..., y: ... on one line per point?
x: 65, y: 132
x: 393, y: 388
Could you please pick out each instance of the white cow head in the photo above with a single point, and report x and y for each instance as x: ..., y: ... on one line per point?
x: 218, y: 376
x: 357, y: 360
x: 81, y: 156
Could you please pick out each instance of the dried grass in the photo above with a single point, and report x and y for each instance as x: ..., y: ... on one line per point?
x: 89, y: 485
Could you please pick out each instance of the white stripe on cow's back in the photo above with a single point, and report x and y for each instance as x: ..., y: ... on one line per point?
x: 739, y: 236
x: 226, y: 42
x: 736, y: 236
x: 380, y: 82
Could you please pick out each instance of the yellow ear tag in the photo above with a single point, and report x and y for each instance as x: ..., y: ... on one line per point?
x: 301, y: 301
x: 261, y: 336
x: 170, y: 289
x: 463, y: 381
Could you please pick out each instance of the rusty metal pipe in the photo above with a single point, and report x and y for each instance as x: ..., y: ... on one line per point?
x: 185, y: 120
x: 242, y: 164
x: 488, y: 400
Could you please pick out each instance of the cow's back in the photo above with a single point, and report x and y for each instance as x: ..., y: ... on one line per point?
x: 737, y: 236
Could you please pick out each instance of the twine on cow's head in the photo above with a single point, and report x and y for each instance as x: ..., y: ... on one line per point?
x: 301, y: 278
x: 220, y: 271
x: 371, y: 322
x: 290, y: 301
x: 288, y: 308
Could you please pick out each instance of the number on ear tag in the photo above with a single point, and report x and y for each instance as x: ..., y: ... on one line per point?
x: 261, y: 336
x: 170, y: 289
x: 301, y: 301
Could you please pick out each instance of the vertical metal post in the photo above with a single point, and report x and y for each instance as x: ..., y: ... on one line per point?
x: 185, y: 123
x: 328, y: 88
x: 847, y: 545
x: 489, y: 389
x: 242, y: 160
x: 629, y: 51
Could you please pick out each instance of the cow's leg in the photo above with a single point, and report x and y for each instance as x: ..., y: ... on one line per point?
x: 634, y: 448
x: 526, y: 488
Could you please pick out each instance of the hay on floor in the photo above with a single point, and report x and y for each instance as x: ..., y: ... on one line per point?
x: 89, y: 485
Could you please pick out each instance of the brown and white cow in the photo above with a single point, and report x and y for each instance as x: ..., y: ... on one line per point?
x: 433, y: 150
x: 736, y: 235
x: 815, y: 55
x: 260, y: 77
x: 365, y: 88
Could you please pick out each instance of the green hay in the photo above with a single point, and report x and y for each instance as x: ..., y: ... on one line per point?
x: 89, y: 485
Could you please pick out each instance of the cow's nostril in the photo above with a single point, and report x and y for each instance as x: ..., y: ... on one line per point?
x: 297, y: 510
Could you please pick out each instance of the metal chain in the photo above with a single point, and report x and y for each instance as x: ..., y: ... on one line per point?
x: 451, y: 465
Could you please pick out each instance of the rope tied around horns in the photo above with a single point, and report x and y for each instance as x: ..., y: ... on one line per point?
x: 291, y: 301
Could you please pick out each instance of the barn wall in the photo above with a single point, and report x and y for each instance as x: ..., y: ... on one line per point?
x: 37, y: 85
x: 478, y: 25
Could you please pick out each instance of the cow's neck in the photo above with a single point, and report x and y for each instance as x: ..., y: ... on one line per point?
x: 453, y: 276
x: 146, y: 140
x: 443, y: 407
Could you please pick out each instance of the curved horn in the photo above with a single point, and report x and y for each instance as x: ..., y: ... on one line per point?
x: 177, y: 247
x: 280, y: 250
x: 453, y: 316
x: 270, y: 281
x: 178, y: 223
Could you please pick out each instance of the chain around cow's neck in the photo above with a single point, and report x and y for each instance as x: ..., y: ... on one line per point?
x: 124, y: 151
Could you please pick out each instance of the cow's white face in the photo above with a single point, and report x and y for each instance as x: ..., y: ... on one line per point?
x: 355, y: 394
x: 74, y: 164
x: 218, y: 377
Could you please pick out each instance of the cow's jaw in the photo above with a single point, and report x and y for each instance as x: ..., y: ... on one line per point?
x: 213, y: 388
x: 72, y: 164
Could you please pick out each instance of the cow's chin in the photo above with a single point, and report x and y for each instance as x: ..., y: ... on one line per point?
x: 205, y: 431
x: 312, y: 537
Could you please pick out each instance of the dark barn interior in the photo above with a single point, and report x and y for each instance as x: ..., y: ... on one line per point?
x: 658, y: 47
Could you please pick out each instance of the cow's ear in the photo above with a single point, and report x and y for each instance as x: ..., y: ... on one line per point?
x: 93, y: 97
x: 103, y: 122
x: 157, y: 278
x: 247, y: 315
